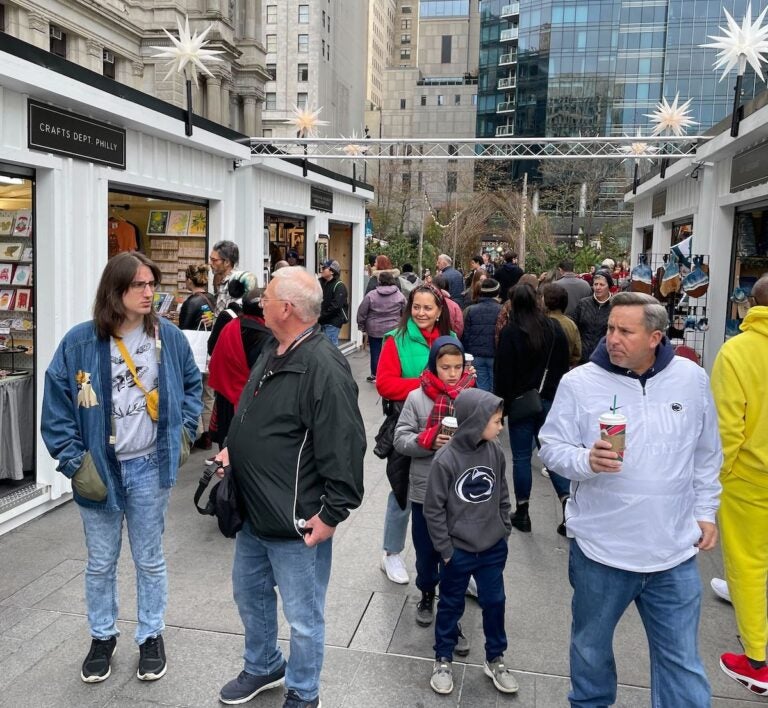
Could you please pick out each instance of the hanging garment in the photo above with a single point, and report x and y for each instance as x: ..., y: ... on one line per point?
x: 696, y: 283
x: 641, y: 278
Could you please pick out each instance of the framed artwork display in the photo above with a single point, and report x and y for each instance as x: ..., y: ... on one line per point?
x: 6, y: 300
x: 198, y: 222
x: 178, y: 223
x: 23, y: 297
x: 21, y: 275
x: 321, y: 250
x: 6, y: 222
x: 6, y: 271
x: 22, y: 226
x: 158, y: 221
x: 11, y: 251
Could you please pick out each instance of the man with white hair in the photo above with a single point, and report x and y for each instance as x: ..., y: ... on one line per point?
x: 455, y: 281
x: 296, y: 447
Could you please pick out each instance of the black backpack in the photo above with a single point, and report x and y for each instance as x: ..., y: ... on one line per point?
x: 223, y: 501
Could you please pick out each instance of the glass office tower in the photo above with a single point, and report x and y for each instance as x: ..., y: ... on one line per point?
x: 596, y: 67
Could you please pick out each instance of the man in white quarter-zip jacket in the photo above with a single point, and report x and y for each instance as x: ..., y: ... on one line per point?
x: 637, y: 524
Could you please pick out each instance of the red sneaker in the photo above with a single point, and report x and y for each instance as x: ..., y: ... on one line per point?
x: 738, y: 668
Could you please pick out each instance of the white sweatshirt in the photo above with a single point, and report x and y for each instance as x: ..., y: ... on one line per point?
x: 644, y: 518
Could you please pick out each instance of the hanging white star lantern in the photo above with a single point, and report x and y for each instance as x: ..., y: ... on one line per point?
x: 354, y: 149
x: 671, y: 119
x: 638, y: 150
x: 306, y: 120
x: 740, y: 45
x: 187, y: 52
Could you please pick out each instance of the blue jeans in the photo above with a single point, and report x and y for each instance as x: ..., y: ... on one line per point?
x: 301, y: 574
x: 332, y: 332
x: 488, y: 568
x: 522, y: 436
x: 427, y: 558
x: 669, y: 603
x: 374, y: 345
x: 395, y: 525
x: 484, y: 369
x: 145, y: 505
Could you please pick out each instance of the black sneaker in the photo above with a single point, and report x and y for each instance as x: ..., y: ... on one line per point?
x: 425, y: 611
x: 247, y: 686
x: 97, y: 665
x: 292, y: 700
x: 152, y: 664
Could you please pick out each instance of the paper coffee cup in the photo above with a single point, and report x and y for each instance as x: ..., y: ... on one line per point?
x: 613, y: 429
x: 449, y: 426
x: 469, y: 359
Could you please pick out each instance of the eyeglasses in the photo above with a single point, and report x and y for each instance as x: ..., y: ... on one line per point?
x: 265, y: 300
x: 140, y: 285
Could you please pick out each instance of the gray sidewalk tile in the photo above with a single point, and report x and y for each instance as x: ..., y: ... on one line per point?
x: 378, y: 622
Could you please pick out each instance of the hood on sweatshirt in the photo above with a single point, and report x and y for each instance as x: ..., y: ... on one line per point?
x: 435, y: 348
x: 665, y: 353
x: 387, y: 289
x: 756, y: 320
x: 474, y: 408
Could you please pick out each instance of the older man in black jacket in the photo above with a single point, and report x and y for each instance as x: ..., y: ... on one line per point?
x: 296, y: 447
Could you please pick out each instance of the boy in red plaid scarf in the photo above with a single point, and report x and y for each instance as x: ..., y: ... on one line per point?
x: 418, y: 435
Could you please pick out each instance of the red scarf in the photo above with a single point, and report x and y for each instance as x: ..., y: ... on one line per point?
x: 443, y: 395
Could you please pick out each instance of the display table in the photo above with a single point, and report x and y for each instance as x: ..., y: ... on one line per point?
x: 17, y: 435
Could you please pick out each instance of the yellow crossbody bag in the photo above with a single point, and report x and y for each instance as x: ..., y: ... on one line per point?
x: 151, y: 397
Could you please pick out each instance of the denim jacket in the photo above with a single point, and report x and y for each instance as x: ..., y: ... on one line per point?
x: 77, y: 407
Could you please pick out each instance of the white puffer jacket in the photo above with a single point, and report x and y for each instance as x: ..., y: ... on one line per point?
x: 644, y: 518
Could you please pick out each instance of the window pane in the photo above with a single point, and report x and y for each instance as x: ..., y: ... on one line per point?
x: 301, y: 100
x: 271, y: 14
x: 271, y: 43
x: 303, y: 43
x: 303, y: 74
x: 303, y: 14
x: 271, y: 102
x: 272, y: 71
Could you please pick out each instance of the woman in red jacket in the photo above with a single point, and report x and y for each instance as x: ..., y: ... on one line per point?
x: 403, y: 357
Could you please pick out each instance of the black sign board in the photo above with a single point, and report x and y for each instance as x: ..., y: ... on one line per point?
x: 55, y: 130
x: 320, y: 199
x: 659, y: 204
x: 750, y: 168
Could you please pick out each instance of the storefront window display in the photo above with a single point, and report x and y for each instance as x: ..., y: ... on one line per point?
x: 681, y: 230
x: 17, y: 333
x: 750, y: 261
x: 172, y: 232
x: 287, y: 239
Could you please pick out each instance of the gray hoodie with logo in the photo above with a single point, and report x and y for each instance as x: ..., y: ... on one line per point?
x: 467, y: 503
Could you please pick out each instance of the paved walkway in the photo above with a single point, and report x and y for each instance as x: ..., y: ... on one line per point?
x: 376, y: 654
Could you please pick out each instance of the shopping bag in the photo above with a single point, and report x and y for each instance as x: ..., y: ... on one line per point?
x: 198, y: 342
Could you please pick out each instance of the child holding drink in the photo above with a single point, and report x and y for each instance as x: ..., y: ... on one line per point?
x: 419, y: 433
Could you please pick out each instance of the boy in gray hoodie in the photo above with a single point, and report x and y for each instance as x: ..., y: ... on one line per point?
x: 467, y: 513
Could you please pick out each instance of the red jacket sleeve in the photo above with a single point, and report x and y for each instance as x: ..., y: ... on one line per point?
x: 389, y: 374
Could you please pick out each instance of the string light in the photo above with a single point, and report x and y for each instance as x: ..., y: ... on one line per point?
x: 434, y: 215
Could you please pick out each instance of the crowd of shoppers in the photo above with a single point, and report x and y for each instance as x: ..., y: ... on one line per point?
x: 451, y: 360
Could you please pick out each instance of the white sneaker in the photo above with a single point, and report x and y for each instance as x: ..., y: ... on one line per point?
x: 472, y: 587
x: 544, y: 472
x: 720, y: 588
x: 393, y: 566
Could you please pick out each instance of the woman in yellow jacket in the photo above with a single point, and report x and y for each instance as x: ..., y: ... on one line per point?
x: 740, y: 387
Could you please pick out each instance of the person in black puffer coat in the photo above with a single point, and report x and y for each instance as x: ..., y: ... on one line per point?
x: 530, y: 345
x: 478, y: 337
x: 591, y: 315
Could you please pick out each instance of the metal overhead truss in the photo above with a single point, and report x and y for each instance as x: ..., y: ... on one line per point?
x: 605, y: 148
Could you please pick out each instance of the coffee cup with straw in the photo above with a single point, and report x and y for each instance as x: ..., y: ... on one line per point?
x: 613, y: 429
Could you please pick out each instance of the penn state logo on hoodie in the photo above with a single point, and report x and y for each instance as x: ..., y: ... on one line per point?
x: 475, y: 485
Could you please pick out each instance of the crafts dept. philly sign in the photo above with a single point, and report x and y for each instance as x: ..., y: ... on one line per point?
x: 63, y: 133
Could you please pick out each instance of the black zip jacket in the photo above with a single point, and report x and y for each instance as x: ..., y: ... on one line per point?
x: 591, y: 317
x: 335, y: 308
x: 297, y: 441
